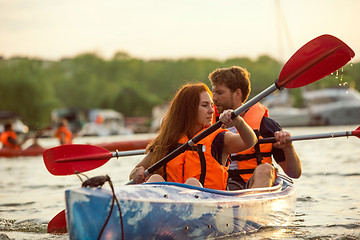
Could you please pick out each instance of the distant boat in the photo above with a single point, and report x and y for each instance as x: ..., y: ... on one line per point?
x: 333, y: 106
x: 290, y: 116
x: 104, y: 122
x: 36, y: 150
x: 281, y: 110
x: 330, y: 106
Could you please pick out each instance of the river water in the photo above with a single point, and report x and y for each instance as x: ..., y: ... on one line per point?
x: 328, y: 196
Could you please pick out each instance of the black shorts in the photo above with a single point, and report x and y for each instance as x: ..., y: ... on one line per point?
x: 237, y: 184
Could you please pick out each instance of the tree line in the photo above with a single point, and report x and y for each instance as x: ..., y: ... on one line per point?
x: 34, y: 87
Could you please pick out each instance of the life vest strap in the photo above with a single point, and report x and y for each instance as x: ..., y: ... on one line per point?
x: 199, y: 150
x: 244, y: 157
x: 236, y: 172
x: 259, y: 157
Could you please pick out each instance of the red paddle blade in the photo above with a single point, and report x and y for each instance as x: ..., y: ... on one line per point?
x: 69, y: 159
x: 356, y: 132
x: 58, y: 223
x: 315, y: 60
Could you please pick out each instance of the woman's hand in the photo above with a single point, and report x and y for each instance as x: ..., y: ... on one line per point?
x: 225, y: 118
x: 138, y: 174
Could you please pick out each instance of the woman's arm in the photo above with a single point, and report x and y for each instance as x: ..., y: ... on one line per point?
x: 137, y: 174
x: 245, y: 138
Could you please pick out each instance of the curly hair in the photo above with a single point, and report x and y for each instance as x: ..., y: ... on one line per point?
x: 234, y: 78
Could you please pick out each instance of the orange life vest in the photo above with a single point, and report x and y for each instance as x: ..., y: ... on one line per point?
x: 249, y: 159
x: 63, y: 131
x: 5, y: 140
x: 199, y: 163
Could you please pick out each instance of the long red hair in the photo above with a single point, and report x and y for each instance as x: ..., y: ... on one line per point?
x: 179, y: 120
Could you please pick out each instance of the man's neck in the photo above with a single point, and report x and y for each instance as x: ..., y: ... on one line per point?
x: 237, y: 106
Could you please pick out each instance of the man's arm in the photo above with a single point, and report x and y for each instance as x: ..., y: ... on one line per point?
x: 292, y: 163
x: 283, y: 151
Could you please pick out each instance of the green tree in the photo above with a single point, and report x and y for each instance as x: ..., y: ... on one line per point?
x: 33, y: 87
x: 24, y: 89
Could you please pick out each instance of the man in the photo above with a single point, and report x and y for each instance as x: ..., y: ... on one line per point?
x: 63, y: 134
x: 253, y: 168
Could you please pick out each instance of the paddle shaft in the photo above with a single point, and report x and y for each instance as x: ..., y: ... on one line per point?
x: 98, y: 156
x: 315, y: 136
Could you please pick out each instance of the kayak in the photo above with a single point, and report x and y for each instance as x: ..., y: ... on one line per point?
x: 176, y: 211
x: 125, y: 145
x: 28, y: 152
x: 110, y: 146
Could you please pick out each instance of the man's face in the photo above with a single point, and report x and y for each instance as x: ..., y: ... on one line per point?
x: 223, y: 97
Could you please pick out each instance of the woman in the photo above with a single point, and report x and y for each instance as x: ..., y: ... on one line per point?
x: 205, y: 164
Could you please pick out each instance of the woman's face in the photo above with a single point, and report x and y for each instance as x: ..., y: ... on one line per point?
x: 205, y: 110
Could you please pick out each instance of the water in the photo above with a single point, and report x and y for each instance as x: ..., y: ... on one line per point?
x: 328, y: 195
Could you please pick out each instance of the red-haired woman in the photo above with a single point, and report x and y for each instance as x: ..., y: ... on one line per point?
x: 205, y: 164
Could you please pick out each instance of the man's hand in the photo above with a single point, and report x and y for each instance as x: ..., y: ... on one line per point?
x: 282, y: 139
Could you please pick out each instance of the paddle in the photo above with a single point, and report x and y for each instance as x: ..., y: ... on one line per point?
x: 58, y: 223
x: 316, y: 136
x: 69, y: 159
x: 313, y: 61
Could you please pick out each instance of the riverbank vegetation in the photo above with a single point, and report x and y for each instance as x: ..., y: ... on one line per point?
x: 33, y: 87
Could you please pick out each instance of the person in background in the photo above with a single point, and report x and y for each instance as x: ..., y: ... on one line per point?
x: 63, y: 134
x: 9, y: 138
x: 253, y: 168
x: 204, y: 164
x: 35, y: 143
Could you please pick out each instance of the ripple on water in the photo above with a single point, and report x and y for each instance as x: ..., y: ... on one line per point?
x: 306, y: 199
x: 16, y: 204
x: 29, y: 225
x: 355, y: 174
x: 44, y: 186
x: 336, y: 231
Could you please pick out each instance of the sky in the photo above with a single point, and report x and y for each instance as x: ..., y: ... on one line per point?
x: 171, y: 29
